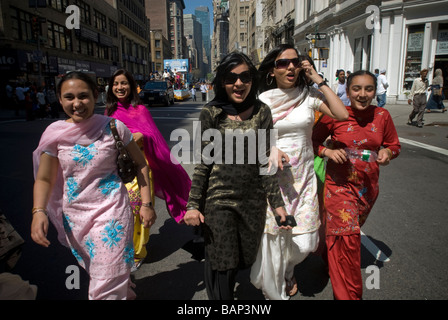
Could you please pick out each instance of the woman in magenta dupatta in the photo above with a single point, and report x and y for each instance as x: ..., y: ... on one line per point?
x: 169, y: 180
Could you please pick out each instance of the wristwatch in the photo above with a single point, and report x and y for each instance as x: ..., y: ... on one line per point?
x: 147, y: 204
x: 323, y: 83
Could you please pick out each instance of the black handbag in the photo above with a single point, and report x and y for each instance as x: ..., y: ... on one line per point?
x: 127, y: 168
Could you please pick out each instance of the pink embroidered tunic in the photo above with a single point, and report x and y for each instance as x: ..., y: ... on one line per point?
x: 89, y: 205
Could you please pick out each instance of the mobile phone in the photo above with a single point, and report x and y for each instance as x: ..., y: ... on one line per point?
x: 290, y: 221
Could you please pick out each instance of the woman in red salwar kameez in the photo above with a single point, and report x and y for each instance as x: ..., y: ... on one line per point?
x: 351, y: 183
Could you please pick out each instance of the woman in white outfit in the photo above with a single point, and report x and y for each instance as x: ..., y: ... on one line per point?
x: 286, y: 79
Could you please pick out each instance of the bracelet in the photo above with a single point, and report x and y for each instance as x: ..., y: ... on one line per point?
x: 147, y: 204
x: 323, y: 83
x: 39, y: 210
x: 191, y: 208
x: 322, y: 154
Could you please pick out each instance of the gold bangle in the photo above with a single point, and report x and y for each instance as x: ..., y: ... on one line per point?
x: 35, y: 210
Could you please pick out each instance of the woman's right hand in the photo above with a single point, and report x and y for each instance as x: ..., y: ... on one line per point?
x: 39, y: 229
x: 277, y: 159
x: 280, y: 211
x: 193, y: 218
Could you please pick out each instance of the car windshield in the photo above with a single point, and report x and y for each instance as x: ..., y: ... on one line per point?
x: 151, y: 85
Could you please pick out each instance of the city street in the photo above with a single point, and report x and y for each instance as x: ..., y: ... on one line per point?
x: 404, y: 253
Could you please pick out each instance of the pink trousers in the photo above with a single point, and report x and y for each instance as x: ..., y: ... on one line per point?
x: 119, y: 288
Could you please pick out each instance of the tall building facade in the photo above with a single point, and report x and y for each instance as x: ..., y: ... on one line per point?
x: 402, y: 37
x: 239, y: 24
x: 202, y: 14
x: 134, y: 37
x: 220, y: 39
x: 37, y: 45
x: 176, y: 29
x: 193, y: 33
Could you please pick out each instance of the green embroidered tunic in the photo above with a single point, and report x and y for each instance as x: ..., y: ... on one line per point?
x: 229, y: 190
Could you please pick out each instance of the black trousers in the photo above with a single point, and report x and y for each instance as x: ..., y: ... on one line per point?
x: 219, y: 284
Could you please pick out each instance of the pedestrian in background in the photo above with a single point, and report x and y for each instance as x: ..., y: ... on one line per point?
x: 203, y: 89
x: 351, y: 182
x: 168, y: 180
x: 436, y: 98
x: 52, y: 100
x: 340, y: 87
x: 229, y: 199
x: 193, y: 93
x: 382, y: 88
x: 417, y: 97
x: 77, y: 186
x: 287, y: 90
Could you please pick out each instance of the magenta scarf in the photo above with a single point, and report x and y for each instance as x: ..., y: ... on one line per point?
x: 171, y: 181
x: 62, y: 132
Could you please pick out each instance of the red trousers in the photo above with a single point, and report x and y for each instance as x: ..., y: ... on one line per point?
x: 344, y: 266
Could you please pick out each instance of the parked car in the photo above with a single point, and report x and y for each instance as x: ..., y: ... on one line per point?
x: 157, y: 92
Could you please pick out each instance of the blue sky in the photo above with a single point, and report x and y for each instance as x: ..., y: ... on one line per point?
x: 190, y: 6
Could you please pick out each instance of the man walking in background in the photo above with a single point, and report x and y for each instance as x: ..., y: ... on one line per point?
x: 381, y: 88
x: 417, y: 97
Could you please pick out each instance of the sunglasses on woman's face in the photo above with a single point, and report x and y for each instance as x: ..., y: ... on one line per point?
x: 231, y: 78
x: 284, y: 63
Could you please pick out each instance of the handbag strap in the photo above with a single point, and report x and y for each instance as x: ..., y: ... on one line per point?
x: 118, y: 142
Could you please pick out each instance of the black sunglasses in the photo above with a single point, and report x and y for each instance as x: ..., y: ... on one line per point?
x: 231, y: 78
x: 284, y: 63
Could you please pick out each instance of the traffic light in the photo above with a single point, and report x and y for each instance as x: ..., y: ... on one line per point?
x: 35, y: 27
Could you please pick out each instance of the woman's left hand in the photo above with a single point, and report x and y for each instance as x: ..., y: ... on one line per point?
x: 384, y: 157
x: 148, y: 216
x: 137, y: 136
x: 310, y: 72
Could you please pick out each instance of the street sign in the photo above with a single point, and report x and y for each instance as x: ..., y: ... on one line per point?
x: 316, y: 36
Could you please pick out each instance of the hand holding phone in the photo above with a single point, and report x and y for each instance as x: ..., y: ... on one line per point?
x: 289, y: 222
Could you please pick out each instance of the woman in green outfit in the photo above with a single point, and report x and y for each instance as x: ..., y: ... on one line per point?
x: 229, y: 186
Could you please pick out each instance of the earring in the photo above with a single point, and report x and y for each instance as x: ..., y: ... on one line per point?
x: 267, y: 80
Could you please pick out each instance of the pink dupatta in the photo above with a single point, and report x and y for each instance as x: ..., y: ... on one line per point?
x: 62, y: 132
x: 171, y: 181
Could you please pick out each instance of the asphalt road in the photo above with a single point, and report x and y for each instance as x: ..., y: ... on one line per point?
x: 404, y: 253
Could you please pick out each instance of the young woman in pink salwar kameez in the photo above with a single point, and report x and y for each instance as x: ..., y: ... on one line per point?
x: 78, y: 188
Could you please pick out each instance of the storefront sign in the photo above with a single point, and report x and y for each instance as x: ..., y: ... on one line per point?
x: 442, y: 42
x: 415, y: 41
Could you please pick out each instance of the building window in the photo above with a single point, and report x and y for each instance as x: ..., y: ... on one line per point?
x: 58, y: 37
x: 58, y: 4
x: 99, y: 21
x: 84, y: 10
x: 414, y: 55
x: 21, y: 25
x: 358, y: 54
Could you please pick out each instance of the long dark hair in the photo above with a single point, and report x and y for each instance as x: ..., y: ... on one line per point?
x: 78, y: 75
x: 226, y: 65
x: 112, y: 100
x: 268, y: 64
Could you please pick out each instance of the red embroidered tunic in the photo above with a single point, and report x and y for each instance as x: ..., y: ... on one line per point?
x: 351, y: 189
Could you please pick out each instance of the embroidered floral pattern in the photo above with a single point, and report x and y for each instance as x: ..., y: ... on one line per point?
x: 129, y: 254
x: 84, y: 155
x: 90, y: 247
x: 76, y: 254
x: 72, y: 189
x: 110, y: 185
x: 68, y: 225
x: 113, y: 233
